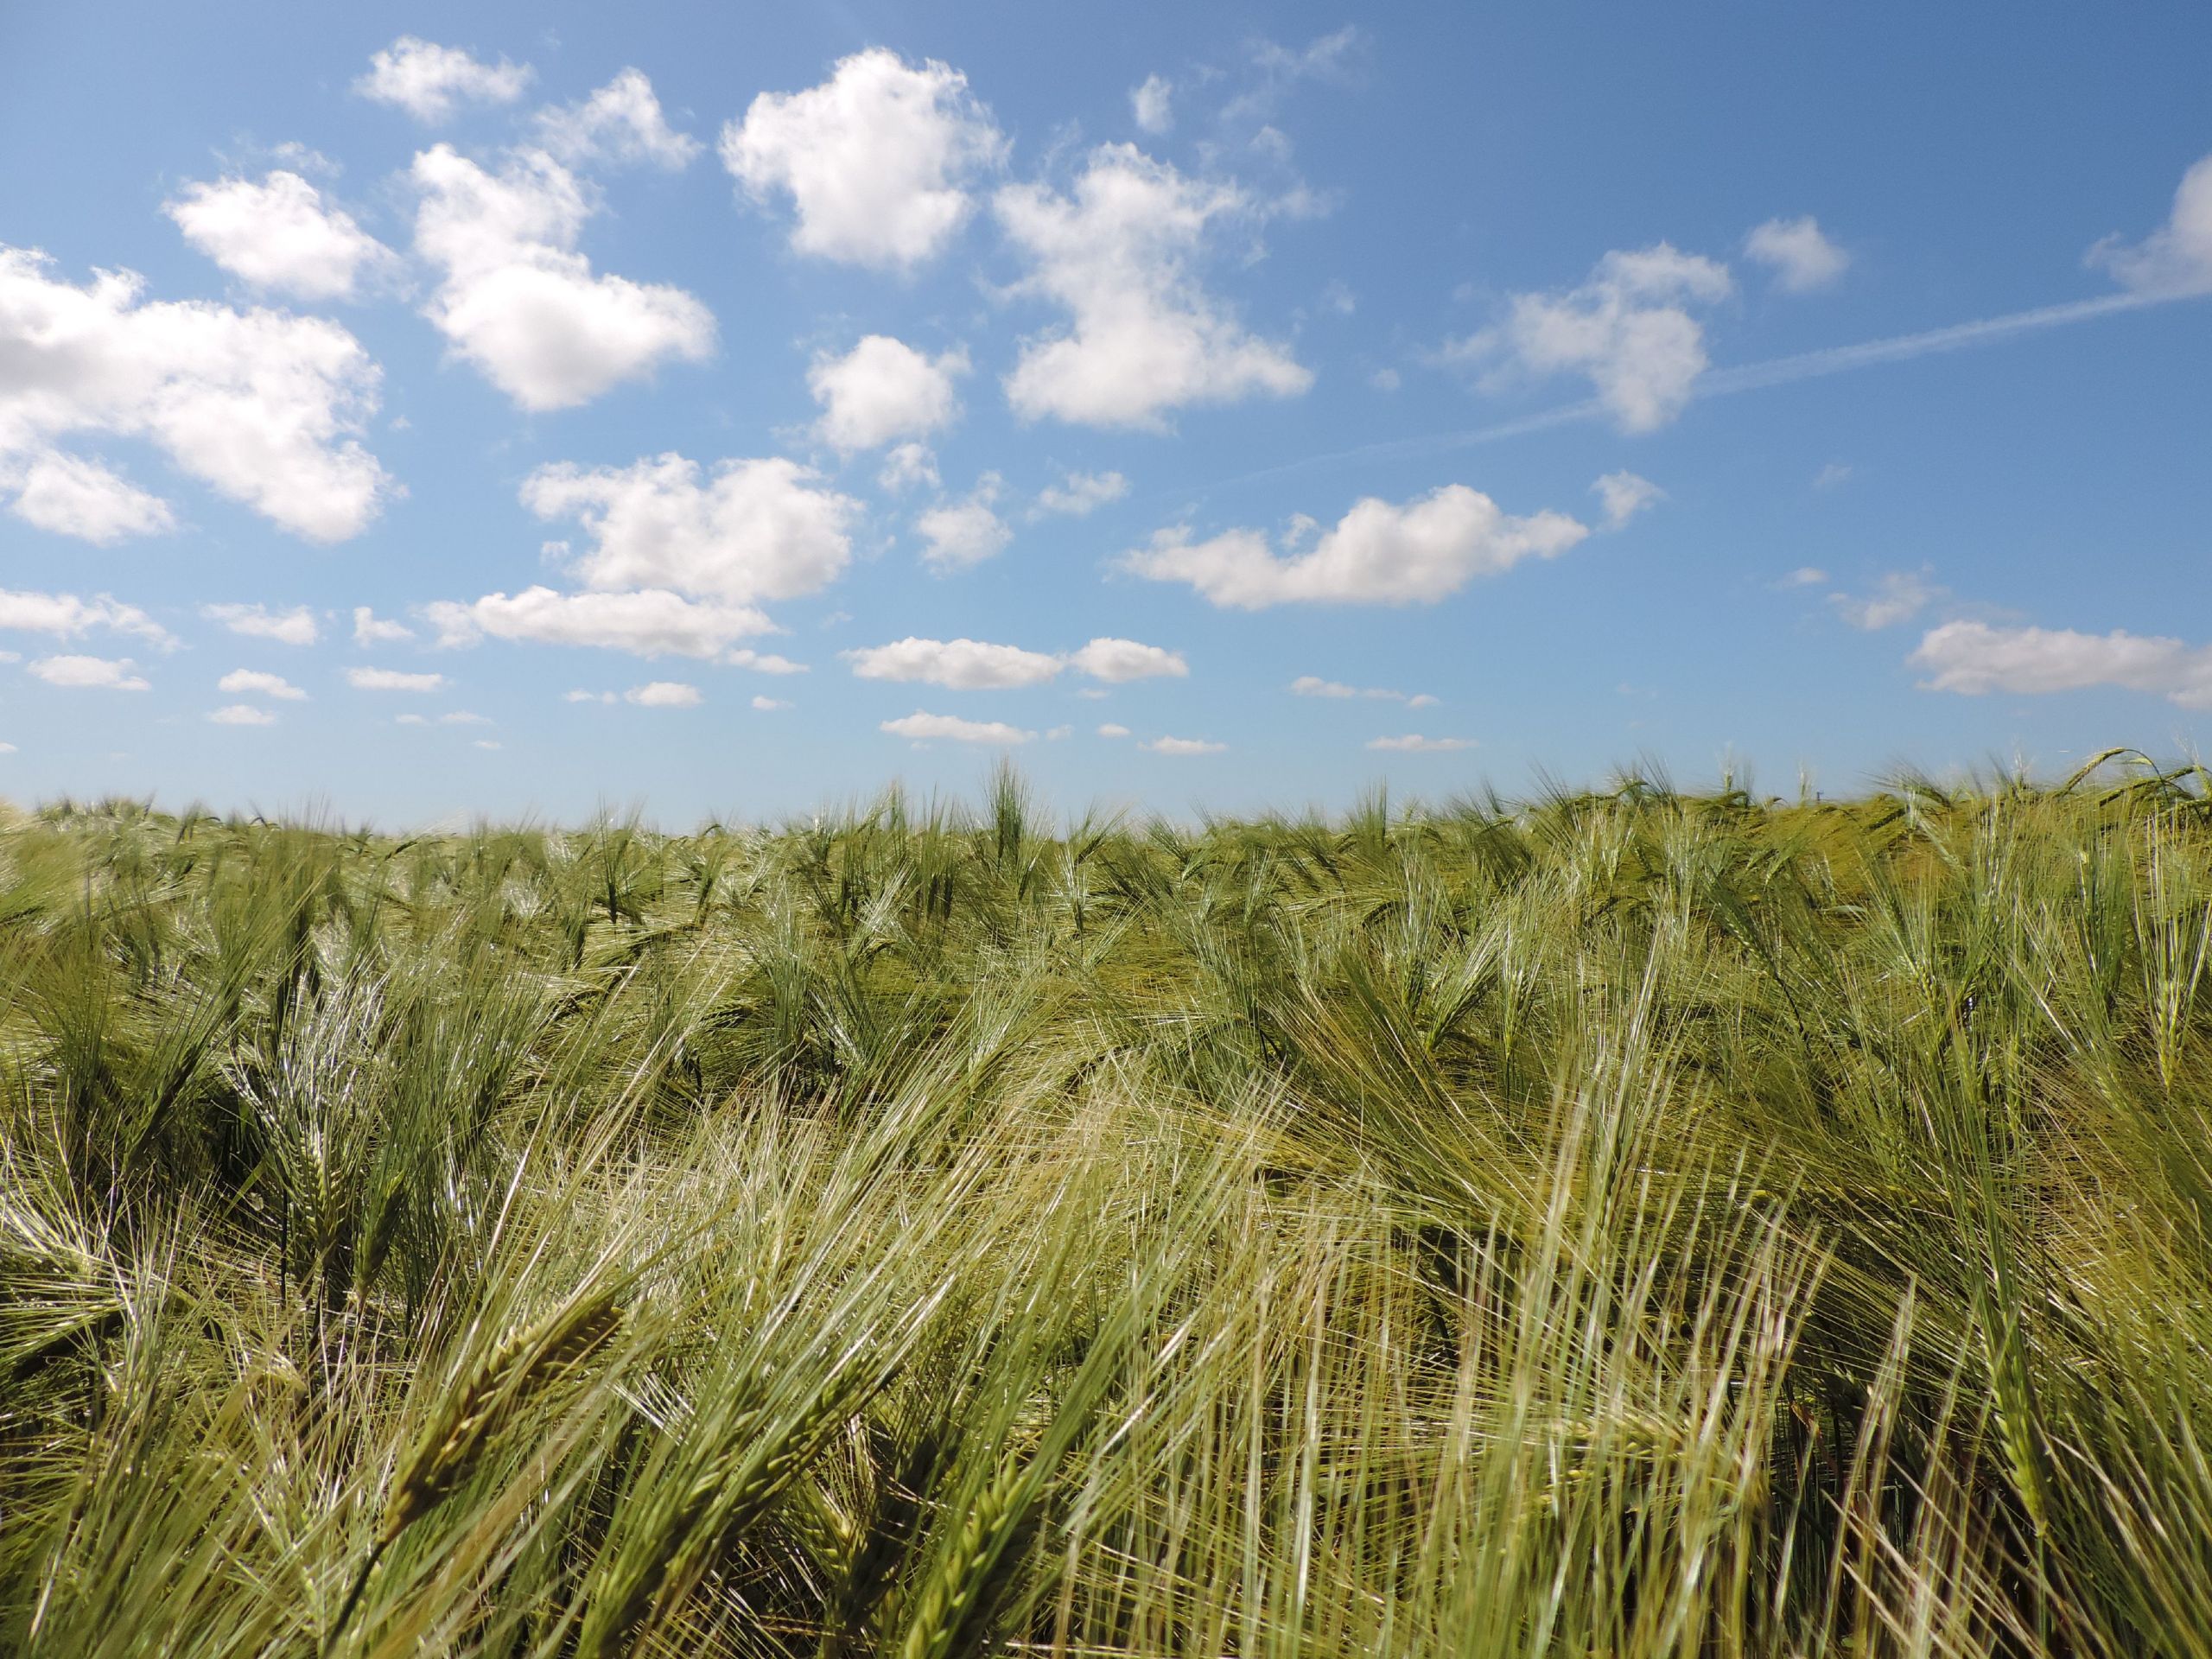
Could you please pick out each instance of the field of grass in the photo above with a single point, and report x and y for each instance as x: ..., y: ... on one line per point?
x: 1620, y: 1224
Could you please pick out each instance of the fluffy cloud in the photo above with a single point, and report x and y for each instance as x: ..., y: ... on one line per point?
x: 242, y: 714
x: 1116, y: 661
x: 1413, y: 743
x: 1153, y: 106
x: 431, y: 82
x: 2175, y: 259
x: 1144, y: 336
x: 71, y: 496
x: 1798, y: 253
x: 391, y: 679
x: 882, y: 389
x: 756, y: 529
x: 66, y: 616
x: 279, y: 234
x: 294, y: 627
x: 1379, y: 553
x: 1897, y: 597
x: 1312, y: 685
x: 92, y: 673
x: 765, y: 662
x: 769, y: 705
x: 369, y: 629
x: 972, y: 664
x: 261, y: 406
x: 663, y: 694
x: 1111, y: 730
x: 1183, y: 746
x: 908, y: 467
x: 923, y: 728
x: 960, y: 533
x: 961, y: 664
x: 620, y: 121
x: 252, y: 682
x: 876, y: 159
x: 1974, y: 658
x: 1080, y: 494
x: 651, y: 623
x: 1627, y: 330
x: 520, y: 303
x: 1622, y: 495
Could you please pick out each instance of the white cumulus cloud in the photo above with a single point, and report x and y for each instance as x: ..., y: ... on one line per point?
x: 663, y: 694
x: 1111, y: 730
x: 1153, y: 106
x: 876, y: 159
x: 1975, y: 658
x: 370, y: 629
x: 1413, y: 743
x: 884, y: 388
x: 1898, y: 596
x: 262, y: 406
x: 1379, y: 553
x: 1622, y: 495
x: 518, y: 300
x: 1798, y: 253
x: 2176, y: 258
x: 651, y: 622
x: 753, y: 530
x: 242, y: 714
x: 1312, y: 685
x: 252, y: 682
x: 620, y: 121
x: 909, y: 466
x: 279, y: 234
x: 392, y: 679
x: 961, y: 664
x: 1628, y: 330
x: 768, y: 705
x: 90, y: 673
x: 1080, y: 494
x: 294, y: 627
x: 957, y: 534
x: 1116, y: 661
x: 923, y: 728
x: 1144, y: 337
x: 1186, y: 746
x: 66, y: 616
x: 72, y: 496
x: 765, y: 662
x: 431, y: 82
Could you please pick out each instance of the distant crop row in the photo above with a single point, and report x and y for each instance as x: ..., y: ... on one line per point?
x: 1622, y: 1223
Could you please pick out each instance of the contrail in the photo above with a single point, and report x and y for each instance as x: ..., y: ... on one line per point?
x: 1743, y: 377
x: 1840, y: 359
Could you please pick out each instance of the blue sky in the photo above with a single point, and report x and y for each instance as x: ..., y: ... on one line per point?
x: 417, y: 412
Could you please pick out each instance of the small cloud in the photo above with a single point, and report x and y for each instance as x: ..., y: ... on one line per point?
x: 1183, y: 746
x: 410, y: 719
x: 1622, y: 495
x: 1386, y: 379
x: 431, y: 82
x: 1831, y: 475
x: 1798, y: 253
x: 1153, y: 106
x: 767, y: 705
x: 369, y: 629
x: 1805, y: 575
x: 1079, y: 495
x: 389, y: 679
x: 1058, y: 731
x: 294, y: 627
x: 588, y: 696
x: 764, y: 661
x: 1112, y: 730
x: 485, y: 743
x: 910, y: 466
x: 664, y: 693
x: 1897, y: 597
x: 1312, y: 685
x: 464, y: 717
x: 925, y: 727
x: 252, y: 682
x: 1413, y: 743
x: 242, y: 714
x: 90, y: 673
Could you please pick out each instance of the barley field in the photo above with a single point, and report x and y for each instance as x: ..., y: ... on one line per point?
x: 1620, y: 1223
